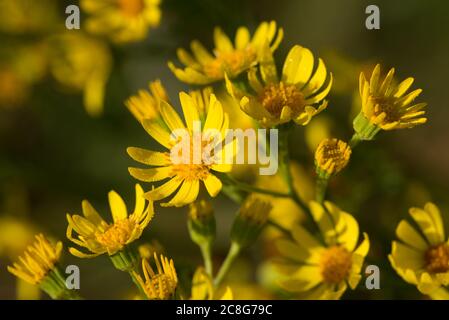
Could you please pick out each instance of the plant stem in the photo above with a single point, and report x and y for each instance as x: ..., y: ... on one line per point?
x: 321, y: 187
x: 207, y: 257
x: 278, y: 226
x: 233, y: 252
x: 355, y: 140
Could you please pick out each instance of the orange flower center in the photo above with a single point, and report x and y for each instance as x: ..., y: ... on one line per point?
x: 386, y: 105
x: 117, y: 234
x: 131, y: 8
x: 194, y: 168
x: 275, y: 97
x: 335, y: 151
x: 335, y: 264
x: 437, y: 258
x: 231, y: 63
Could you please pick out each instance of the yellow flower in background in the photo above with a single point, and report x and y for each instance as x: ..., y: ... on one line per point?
x: 37, y: 261
x: 28, y: 16
x: 145, y: 105
x: 316, y: 270
x: 388, y: 106
x: 99, y: 236
x: 203, y: 288
x: 159, y: 284
x: 232, y: 59
x: 184, y: 177
x: 291, y: 97
x: 82, y: 63
x: 122, y: 20
x: 331, y: 156
x: 422, y: 256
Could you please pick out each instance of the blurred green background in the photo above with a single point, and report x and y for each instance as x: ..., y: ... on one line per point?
x: 53, y: 154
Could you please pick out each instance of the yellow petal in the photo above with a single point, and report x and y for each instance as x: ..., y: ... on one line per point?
x: 427, y: 225
x: 151, y: 174
x: 186, y: 194
x: 118, y: 206
x: 213, y: 185
x: 152, y: 158
x: 164, y: 190
x: 90, y: 213
x: 298, y: 66
x: 188, y: 108
x: 410, y: 236
x: 170, y: 116
x: 157, y: 132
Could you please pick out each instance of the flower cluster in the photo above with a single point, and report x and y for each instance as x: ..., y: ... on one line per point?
x: 319, y: 253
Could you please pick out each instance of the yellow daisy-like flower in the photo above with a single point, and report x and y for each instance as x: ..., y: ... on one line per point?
x: 122, y: 20
x: 386, y: 105
x: 82, y: 63
x: 232, y: 59
x: 159, y: 284
x: 203, y: 288
x: 291, y: 97
x: 99, y: 236
x: 145, y: 105
x: 422, y: 256
x: 37, y: 261
x: 323, y: 271
x: 331, y: 156
x: 185, y: 175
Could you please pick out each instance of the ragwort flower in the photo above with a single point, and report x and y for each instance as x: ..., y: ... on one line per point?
x: 122, y: 20
x: 292, y: 96
x: 323, y: 271
x: 422, y: 256
x: 99, y: 236
x: 37, y: 261
x: 185, y: 169
x: 203, y: 67
x: 159, y: 284
x: 387, y: 106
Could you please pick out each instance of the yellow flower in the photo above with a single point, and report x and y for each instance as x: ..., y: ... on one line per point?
x: 98, y: 236
x: 291, y: 97
x: 159, y: 284
x: 422, y: 256
x: 386, y: 105
x: 122, y: 20
x: 203, y: 288
x: 323, y: 271
x: 193, y: 168
x: 145, y: 105
x: 232, y: 59
x: 331, y: 156
x: 82, y: 63
x: 37, y: 261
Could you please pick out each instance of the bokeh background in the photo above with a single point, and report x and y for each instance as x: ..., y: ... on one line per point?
x: 53, y: 153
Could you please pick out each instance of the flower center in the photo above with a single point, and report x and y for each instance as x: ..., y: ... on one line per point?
x: 274, y: 97
x: 437, y: 258
x: 117, y: 234
x: 160, y: 287
x: 231, y: 63
x: 335, y: 264
x: 193, y: 168
x: 131, y: 8
x: 386, y: 105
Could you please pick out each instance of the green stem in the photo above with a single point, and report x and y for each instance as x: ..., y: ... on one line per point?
x: 355, y: 140
x: 321, y: 187
x: 207, y: 257
x: 233, y: 253
x: 249, y: 188
x: 284, y: 166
